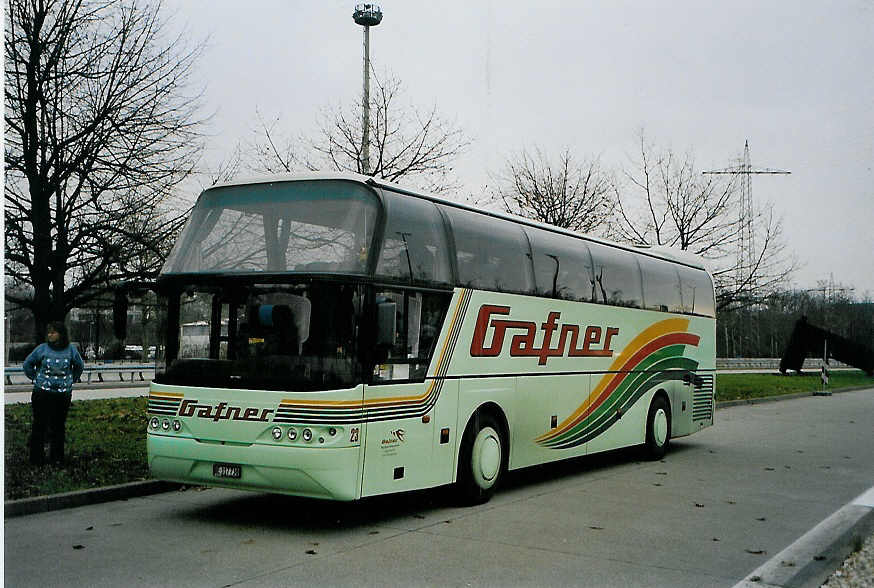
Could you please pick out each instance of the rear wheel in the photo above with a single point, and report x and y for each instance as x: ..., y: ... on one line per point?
x: 481, y: 459
x: 658, y: 428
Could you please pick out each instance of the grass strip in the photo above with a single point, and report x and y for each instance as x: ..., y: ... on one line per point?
x: 106, y: 439
x: 747, y: 386
x: 106, y: 445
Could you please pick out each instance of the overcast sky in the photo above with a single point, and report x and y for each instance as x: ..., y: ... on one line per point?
x: 796, y: 79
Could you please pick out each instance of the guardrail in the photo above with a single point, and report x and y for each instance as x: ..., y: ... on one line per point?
x: 90, y: 372
x: 770, y: 363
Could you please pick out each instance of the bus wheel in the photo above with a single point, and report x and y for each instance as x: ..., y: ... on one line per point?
x: 658, y: 428
x: 481, y: 459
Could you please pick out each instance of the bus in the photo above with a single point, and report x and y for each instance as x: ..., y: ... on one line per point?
x: 360, y: 338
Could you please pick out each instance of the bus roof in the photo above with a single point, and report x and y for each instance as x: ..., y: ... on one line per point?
x: 667, y: 253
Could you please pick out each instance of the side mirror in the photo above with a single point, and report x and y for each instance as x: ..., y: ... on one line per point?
x: 386, y: 323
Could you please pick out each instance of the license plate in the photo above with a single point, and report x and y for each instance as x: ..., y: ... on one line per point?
x: 227, y: 470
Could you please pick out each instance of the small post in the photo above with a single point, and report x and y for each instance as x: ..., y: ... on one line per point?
x: 824, y: 371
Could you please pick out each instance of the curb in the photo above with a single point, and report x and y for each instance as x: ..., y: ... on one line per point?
x: 764, y: 399
x: 818, y: 553
x: 38, y: 504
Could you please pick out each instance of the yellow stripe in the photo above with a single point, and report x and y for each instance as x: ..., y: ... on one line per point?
x: 449, y: 333
x: 165, y: 395
x: 355, y: 403
x: 673, y: 325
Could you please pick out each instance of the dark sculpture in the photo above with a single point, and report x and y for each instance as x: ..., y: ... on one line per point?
x: 807, y: 338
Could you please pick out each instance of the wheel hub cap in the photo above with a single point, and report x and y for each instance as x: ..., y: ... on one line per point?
x: 490, y: 458
x: 660, y: 427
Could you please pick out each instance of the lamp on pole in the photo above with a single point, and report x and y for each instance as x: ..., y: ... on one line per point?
x: 366, y: 15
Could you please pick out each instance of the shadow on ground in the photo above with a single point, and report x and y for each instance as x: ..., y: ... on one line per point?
x: 283, y: 512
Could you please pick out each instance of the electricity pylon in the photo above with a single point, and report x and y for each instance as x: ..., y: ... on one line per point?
x: 746, y: 254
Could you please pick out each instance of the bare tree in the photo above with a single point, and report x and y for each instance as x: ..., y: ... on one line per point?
x: 225, y: 170
x: 272, y: 151
x: 670, y: 203
x: 567, y: 194
x: 408, y: 143
x: 99, y: 130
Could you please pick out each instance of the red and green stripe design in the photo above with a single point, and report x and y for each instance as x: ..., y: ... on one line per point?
x: 656, y: 355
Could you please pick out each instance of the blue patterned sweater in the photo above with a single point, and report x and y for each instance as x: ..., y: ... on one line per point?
x: 54, y: 370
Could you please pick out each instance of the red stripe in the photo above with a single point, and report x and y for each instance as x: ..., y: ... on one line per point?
x: 643, y: 353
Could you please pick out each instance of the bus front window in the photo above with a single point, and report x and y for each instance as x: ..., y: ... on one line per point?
x: 278, y: 227
x: 269, y: 336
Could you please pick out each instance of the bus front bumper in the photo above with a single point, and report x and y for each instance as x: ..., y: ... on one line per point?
x: 317, y: 472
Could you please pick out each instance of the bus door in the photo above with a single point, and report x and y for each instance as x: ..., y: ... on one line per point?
x: 410, y: 417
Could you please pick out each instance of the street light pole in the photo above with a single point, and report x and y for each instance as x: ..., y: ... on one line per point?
x: 366, y: 15
x: 365, y: 145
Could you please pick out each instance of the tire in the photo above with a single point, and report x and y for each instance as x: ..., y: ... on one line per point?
x: 658, y: 428
x: 482, y: 460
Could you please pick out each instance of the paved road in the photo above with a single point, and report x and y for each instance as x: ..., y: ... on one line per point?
x: 722, y: 502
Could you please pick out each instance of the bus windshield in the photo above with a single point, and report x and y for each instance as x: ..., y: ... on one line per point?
x: 303, y: 226
x: 263, y: 336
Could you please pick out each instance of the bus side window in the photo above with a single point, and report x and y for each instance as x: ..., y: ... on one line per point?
x: 414, y: 245
x: 661, y: 285
x: 616, y: 278
x: 491, y: 253
x: 562, y: 267
x: 408, y: 325
x: 697, y: 292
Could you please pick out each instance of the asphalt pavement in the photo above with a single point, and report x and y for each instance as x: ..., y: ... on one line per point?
x: 780, y: 484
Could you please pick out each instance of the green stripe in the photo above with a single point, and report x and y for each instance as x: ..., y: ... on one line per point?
x: 627, y: 393
x: 646, y: 363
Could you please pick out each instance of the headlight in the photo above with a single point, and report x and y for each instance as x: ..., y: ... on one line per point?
x: 154, y: 422
x: 165, y: 424
x: 307, y: 435
x: 177, y: 426
x: 277, y: 433
x: 292, y: 434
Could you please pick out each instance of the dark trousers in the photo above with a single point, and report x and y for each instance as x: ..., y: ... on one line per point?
x: 49, y: 416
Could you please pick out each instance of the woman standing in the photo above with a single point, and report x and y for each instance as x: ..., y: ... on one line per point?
x: 53, y: 366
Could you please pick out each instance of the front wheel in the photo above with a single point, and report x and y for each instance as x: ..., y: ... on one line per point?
x: 658, y: 428
x: 481, y: 460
